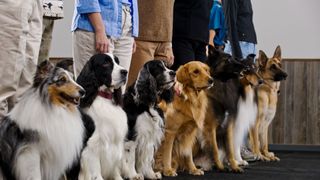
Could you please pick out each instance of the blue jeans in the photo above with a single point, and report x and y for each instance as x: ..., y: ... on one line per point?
x: 246, y: 48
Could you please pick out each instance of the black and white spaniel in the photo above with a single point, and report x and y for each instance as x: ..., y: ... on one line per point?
x: 102, y: 77
x: 145, y: 118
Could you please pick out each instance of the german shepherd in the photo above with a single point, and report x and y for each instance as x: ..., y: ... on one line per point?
x: 272, y: 73
x: 225, y: 118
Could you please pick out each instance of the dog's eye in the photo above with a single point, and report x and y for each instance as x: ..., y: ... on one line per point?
x: 62, y: 79
x: 196, y: 71
x: 273, y: 66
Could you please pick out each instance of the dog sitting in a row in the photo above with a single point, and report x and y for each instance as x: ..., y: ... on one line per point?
x: 128, y: 131
x: 43, y: 135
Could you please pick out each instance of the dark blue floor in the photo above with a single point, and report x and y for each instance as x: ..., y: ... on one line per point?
x: 292, y: 166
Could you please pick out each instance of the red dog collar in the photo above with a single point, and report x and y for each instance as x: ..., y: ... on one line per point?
x: 104, y: 94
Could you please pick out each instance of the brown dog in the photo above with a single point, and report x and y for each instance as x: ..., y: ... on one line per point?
x: 184, y: 117
x: 272, y: 73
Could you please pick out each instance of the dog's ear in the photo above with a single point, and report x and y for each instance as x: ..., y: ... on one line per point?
x: 117, y: 97
x: 167, y: 95
x: 250, y: 58
x: 43, y: 71
x: 146, y: 86
x: 182, y: 74
x: 66, y: 64
x: 213, y: 55
x: 263, y: 59
x: 277, y: 53
x: 88, y: 80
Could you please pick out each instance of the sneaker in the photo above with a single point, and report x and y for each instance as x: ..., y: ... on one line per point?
x: 247, y: 155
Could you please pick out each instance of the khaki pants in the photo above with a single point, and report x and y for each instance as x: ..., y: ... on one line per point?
x: 20, y: 35
x: 146, y: 51
x: 84, y: 44
x: 47, y: 28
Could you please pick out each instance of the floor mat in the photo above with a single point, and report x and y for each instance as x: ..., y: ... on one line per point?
x: 292, y: 166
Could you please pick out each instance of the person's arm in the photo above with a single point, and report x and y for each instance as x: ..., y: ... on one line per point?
x: 212, y: 34
x: 92, y: 9
x: 231, y: 11
x: 102, y: 42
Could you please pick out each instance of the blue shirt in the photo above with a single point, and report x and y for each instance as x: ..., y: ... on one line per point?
x: 217, y: 23
x: 111, y: 12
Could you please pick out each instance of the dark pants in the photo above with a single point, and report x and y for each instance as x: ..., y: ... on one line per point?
x: 186, y: 50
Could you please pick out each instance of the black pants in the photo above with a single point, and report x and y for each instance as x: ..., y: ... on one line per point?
x: 186, y: 50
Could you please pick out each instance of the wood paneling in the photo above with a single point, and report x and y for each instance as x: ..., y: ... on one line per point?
x: 297, y: 120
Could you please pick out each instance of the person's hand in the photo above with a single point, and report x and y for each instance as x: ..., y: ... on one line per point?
x: 170, y: 58
x: 102, y: 42
x: 134, y: 46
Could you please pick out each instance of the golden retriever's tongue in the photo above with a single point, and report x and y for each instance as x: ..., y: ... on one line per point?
x: 177, y: 89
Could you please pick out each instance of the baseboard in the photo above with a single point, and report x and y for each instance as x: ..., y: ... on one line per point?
x: 287, y: 147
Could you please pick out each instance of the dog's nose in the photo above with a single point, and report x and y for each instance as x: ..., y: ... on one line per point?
x: 123, y: 72
x: 210, y: 81
x: 82, y: 92
x: 261, y: 81
x: 172, y: 73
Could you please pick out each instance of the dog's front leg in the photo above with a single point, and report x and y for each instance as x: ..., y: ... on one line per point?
x: 128, y: 161
x: 269, y: 156
x: 187, y: 152
x: 230, y: 147
x: 167, y: 153
x: 28, y: 164
x: 90, y: 165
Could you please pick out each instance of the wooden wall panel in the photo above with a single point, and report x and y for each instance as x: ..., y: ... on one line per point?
x: 297, y: 120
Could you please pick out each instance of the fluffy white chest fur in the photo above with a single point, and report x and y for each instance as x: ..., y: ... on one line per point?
x: 149, y: 128
x: 105, y: 147
x: 247, y: 113
x: 60, y: 131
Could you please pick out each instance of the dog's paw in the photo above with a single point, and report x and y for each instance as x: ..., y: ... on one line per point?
x: 138, y: 177
x: 236, y: 169
x: 157, y: 175
x: 219, y: 166
x: 197, y: 172
x: 243, y: 163
x: 170, y: 172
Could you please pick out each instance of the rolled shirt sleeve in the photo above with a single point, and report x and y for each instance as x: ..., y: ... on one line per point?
x: 88, y: 6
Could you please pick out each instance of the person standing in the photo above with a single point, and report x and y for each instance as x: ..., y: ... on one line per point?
x: 217, y: 26
x: 241, y: 36
x: 20, y: 37
x: 155, y: 34
x: 101, y: 26
x: 52, y: 10
x: 190, y: 30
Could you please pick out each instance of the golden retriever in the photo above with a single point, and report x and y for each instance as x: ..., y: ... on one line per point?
x: 184, y: 117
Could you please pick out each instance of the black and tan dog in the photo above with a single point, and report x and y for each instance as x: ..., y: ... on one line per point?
x: 272, y: 73
x: 232, y: 107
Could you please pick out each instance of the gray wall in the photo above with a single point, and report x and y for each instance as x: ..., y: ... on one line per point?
x: 293, y: 24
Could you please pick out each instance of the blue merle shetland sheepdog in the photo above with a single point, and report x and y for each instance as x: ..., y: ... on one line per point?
x: 43, y: 135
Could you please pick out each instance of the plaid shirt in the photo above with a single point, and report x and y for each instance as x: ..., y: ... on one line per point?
x: 53, y: 8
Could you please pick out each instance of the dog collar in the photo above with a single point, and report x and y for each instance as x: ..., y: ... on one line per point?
x: 104, y: 94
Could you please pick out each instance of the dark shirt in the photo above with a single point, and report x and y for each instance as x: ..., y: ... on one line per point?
x: 217, y: 23
x: 191, y: 19
x: 239, y: 21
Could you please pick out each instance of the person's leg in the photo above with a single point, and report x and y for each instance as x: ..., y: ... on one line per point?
x: 47, y: 28
x: 14, y: 18
x: 247, y: 48
x: 227, y: 48
x: 83, y: 43
x: 183, y: 52
x: 200, y: 51
x: 122, y: 47
x: 32, y: 50
x: 164, y: 52
x: 144, y: 52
